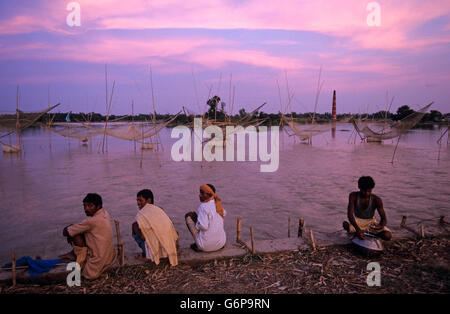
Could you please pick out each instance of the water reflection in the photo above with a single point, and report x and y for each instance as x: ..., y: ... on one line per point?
x: 42, y: 190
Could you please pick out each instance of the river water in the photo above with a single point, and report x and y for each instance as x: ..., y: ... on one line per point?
x: 41, y: 191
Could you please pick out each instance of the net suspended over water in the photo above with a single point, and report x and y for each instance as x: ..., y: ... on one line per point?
x: 130, y: 131
x: 10, y: 124
x: 306, y: 131
x: 76, y: 131
x: 377, y: 132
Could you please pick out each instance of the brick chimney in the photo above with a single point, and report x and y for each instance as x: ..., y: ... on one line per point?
x: 334, y: 106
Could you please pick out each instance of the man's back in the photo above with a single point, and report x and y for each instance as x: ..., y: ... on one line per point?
x: 159, y: 231
x: 98, y: 233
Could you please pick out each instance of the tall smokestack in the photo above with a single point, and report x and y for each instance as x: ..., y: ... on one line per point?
x: 334, y: 106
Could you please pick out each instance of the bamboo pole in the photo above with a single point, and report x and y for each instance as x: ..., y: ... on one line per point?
x: 232, y: 101
x: 289, y: 105
x: 108, y: 108
x: 142, y: 150
x: 312, y: 240
x: 239, y: 225
x: 252, y: 240
x: 289, y: 227
x: 13, y: 269
x: 395, y: 150
x: 279, y: 95
x: 106, y: 104
x: 403, y: 223
x: 439, y: 152
x: 301, y: 226
x: 154, y: 116
x: 229, y: 98
x: 119, y: 244
x: 422, y: 231
x: 195, y: 91
x: 132, y: 122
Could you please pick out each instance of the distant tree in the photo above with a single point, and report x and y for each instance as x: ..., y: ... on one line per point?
x: 433, y: 116
x: 382, y: 115
x: 212, y: 103
x: 242, y: 113
x: 403, y: 112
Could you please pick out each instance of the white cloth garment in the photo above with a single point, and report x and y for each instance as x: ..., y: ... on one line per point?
x: 159, y: 232
x: 148, y: 253
x: 211, y: 236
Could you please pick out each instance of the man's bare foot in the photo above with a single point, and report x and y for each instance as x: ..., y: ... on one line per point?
x: 141, y: 257
x: 69, y: 256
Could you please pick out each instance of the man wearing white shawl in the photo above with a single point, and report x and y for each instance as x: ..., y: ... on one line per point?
x: 154, y: 231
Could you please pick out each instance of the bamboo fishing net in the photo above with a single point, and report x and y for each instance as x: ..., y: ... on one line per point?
x: 377, y: 132
x: 306, y: 131
x: 130, y: 131
x: 21, y: 120
x: 78, y: 132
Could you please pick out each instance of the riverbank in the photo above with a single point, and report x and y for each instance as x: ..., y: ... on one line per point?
x: 407, y: 266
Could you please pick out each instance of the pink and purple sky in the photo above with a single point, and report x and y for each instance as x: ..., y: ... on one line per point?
x: 255, y: 42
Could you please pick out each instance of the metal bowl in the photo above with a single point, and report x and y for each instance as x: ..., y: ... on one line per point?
x: 370, y: 242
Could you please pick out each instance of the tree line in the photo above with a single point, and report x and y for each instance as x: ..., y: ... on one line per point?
x: 217, y: 112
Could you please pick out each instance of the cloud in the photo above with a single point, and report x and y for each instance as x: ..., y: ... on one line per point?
x: 204, y: 51
x: 350, y: 53
x: 336, y: 18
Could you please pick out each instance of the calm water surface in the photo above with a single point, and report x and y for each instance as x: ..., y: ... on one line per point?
x: 42, y: 191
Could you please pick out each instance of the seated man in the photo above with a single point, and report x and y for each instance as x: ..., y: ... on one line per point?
x: 154, y: 231
x: 361, y: 211
x: 207, y: 228
x: 92, y: 239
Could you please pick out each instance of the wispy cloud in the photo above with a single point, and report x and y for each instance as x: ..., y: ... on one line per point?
x: 338, y: 18
x: 254, y: 40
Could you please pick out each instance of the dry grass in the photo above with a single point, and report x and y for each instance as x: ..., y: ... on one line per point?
x: 407, y: 266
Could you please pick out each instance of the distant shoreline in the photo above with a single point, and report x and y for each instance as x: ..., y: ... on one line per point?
x: 270, y: 118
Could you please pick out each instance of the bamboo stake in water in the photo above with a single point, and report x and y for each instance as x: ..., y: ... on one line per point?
x: 132, y: 122
x: 154, y: 113
x: 119, y: 244
x: 403, y: 223
x: 238, y: 236
x: 289, y: 227
x: 395, y: 150
x: 312, y: 240
x: 14, y: 269
x: 106, y: 103
x: 301, y: 224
